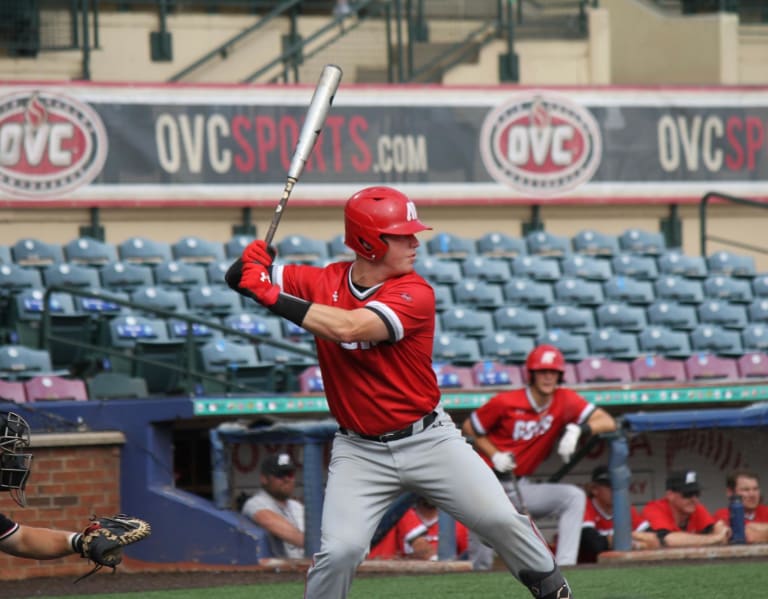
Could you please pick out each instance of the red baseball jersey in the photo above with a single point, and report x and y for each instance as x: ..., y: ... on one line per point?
x: 595, y: 517
x: 411, y: 527
x: 373, y: 388
x: 513, y: 422
x: 660, y: 517
x: 760, y: 515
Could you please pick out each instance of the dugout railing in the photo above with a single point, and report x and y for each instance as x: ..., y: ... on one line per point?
x: 705, y: 236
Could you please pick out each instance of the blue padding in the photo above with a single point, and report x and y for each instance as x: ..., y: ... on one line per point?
x: 754, y: 415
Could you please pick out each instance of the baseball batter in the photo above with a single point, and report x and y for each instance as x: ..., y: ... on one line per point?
x: 516, y: 430
x: 374, y: 320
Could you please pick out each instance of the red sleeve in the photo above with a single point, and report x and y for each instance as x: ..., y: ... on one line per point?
x: 761, y: 513
x: 462, y: 539
x: 575, y: 407
x: 700, y: 520
x: 722, y: 514
x: 490, y: 413
x: 386, y: 548
x: 659, y: 516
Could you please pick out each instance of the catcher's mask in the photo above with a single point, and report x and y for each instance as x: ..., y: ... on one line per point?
x: 376, y: 211
x: 14, y: 464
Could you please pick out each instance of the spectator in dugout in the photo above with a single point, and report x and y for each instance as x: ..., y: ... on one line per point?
x: 746, y: 484
x: 597, y: 530
x: 416, y: 535
x: 680, y: 520
x: 274, y: 509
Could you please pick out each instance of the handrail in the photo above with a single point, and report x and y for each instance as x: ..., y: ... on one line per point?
x: 187, y: 370
x: 703, y: 221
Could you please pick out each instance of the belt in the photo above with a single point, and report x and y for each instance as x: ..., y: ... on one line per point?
x: 409, y: 430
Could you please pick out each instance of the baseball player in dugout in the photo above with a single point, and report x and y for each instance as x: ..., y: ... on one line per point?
x: 515, y: 431
x: 15, y: 464
x: 680, y: 520
x: 373, y: 319
x: 746, y: 484
x: 274, y: 509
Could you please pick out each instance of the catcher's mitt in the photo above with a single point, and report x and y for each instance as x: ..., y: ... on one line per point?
x: 103, y: 541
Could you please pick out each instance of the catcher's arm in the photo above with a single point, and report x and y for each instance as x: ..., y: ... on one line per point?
x: 103, y: 540
x: 39, y: 543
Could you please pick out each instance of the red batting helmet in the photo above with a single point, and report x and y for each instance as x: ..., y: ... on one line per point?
x: 545, y: 357
x: 376, y: 211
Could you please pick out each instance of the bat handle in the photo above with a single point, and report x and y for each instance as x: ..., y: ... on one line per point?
x: 278, y: 213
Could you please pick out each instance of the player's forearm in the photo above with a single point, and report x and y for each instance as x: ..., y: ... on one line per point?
x: 38, y: 543
x: 756, y: 532
x: 280, y: 527
x: 687, y: 539
x: 601, y: 422
x: 344, y: 326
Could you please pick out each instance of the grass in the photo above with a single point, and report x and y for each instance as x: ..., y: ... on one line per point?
x: 708, y: 579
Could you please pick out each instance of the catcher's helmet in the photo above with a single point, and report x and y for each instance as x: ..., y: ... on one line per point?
x: 376, y: 211
x: 14, y: 465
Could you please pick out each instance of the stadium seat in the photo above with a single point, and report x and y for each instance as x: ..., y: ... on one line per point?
x: 126, y: 277
x: 27, y: 310
x: 628, y: 290
x: 538, y: 268
x: 461, y: 351
x: 519, y: 320
x: 338, y: 250
x: 213, y: 300
x: 703, y: 366
x: 642, y: 268
x: 674, y: 262
x: 126, y: 329
x: 738, y: 291
x: 195, y: 250
x: 288, y: 365
x: 505, y: 347
x: 89, y: 252
x: 544, y: 243
x: 570, y: 318
x: 664, y: 341
x: 294, y: 333
x: 500, y: 245
x: 569, y: 375
x: 639, y: 241
x: 301, y: 249
x: 621, y: 316
x: 573, y: 346
x: 613, y: 344
x: 234, y: 367
x: 734, y: 265
x: 115, y: 385
x: 595, y: 243
x: 71, y: 275
x: 479, y: 294
x: 725, y: 314
x: 443, y: 297
x: 489, y: 373
x: 758, y: 310
x: 450, y: 376
x: 160, y: 364
x: 178, y: 329
x: 31, y: 252
x: 754, y: 337
x: 438, y: 270
x: 13, y: 280
x: 5, y: 255
x: 233, y: 248
x: 657, y: 369
x: 180, y: 275
x: 753, y: 364
x: 717, y: 340
x: 679, y: 289
x: 673, y: 315
x: 140, y: 250
x: 492, y: 270
x: 19, y: 362
x: 216, y: 271
x: 260, y: 325
x: 45, y: 387
x: 149, y: 298
x: 760, y: 285
x: 601, y: 370
x: 311, y: 380
x: 468, y: 322
x: 521, y: 291
x: 578, y: 292
x: 450, y: 246
x: 12, y: 391
x: 587, y: 267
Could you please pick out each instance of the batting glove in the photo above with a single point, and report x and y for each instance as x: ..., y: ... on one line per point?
x: 257, y: 251
x: 503, y: 461
x: 256, y: 279
x: 568, y: 442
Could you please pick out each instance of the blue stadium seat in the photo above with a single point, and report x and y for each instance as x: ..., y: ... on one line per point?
x: 613, y: 344
x: 727, y: 288
x: 101, y: 306
x: 664, y: 341
x: 754, y: 337
x: 126, y: 329
x: 573, y: 346
x: 674, y: 262
x: 438, y: 270
x: 169, y: 300
x: 489, y: 373
x: 717, y: 340
x: 466, y: 321
x: 598, y: 370
x: 71, y: 275
x: 628, y: 290
x: 519, y: 320
x: 19, y: 362
x: 476, y: 293
x: 140, y: 250
x: 338, y: 250
x: 703, y: 366
x: 673, y: 315
x: 5, y: 255
x: 725, y: 314
x: 89, y: 252
x: 450, y: 246
x: 287, y: 365
x: 215, y: 271
x: 14, y: 278
x: 579, y: 292
x: 587, y: 267
x: 758, y: 310
x: 176, y: 274
x: 35, y: 253
x: 639, y: 241
x: 657, y: 369
x: 197, y: 250
x: 213, y: 300
x: 570, y: 318
x: 621, y: 316
x: 538, y: 268
x: 521, y: 291
x: 760, y: 285
x: 233, y: 248
x: 493, y: 270
x: 235, y: 368
x: 443, y: 297
x: 642, y: 268
x: 301, y: 249
x: 595, y: 243
x: 679, y: 289
x: 506, y: 347
x: 544, y: 243
x: 178, y: 329
x: 734, y: 265
x: 501, y: 245
x: 126, y: 277
x: 458, y: 350
x: 260, y: 325
x: 450, y: 376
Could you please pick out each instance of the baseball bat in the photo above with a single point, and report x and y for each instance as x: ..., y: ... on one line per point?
x: 322, y: 98
x: 511, y: 476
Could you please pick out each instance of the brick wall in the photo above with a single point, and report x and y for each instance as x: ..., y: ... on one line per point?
x: 74, y: 476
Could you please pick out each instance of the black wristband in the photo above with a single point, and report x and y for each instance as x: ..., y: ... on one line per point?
x: 291, y: 308
x: 586, y: 430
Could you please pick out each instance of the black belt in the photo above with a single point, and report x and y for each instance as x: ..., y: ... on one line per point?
x: 395, y: 435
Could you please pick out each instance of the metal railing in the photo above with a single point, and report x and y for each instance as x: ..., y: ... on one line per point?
x: 704, y: 236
